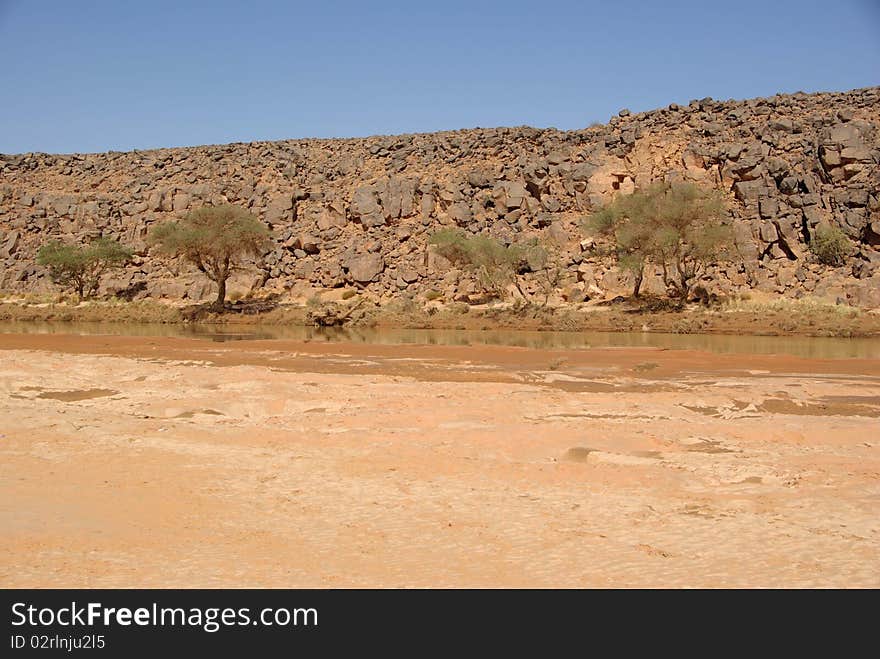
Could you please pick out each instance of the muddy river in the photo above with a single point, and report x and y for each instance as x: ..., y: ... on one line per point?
x: 811, y: 347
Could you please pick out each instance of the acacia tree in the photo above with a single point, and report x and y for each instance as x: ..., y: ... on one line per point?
x: 80, y: 267
x: 677, y: 226
x: 213, y: 239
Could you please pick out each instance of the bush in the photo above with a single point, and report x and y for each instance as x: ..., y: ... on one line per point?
x: 830, y: 245
x: 495, y: 265
x: 80, y: 267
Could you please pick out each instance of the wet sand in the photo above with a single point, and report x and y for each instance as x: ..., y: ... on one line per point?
x: 170, y: 462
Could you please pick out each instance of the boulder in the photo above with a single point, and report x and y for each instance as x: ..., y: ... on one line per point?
x: 280, y: 209
x: 308, y: 244
x: 750, y: 191
x: 330, y: 217
x: 509, y: 195
x: 408, y: 274
x: 365, y: 207
x: 9, y: 244
x: 396, y: 196
x: 460, y: 213
x: 365, y: 268
x: 551, y: 203
x: 582, y: 171
x: 181, y: 202
x: 479, y: 179
x: 865, y: 294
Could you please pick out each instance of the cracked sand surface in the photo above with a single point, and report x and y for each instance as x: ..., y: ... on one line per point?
x: 161, y: 462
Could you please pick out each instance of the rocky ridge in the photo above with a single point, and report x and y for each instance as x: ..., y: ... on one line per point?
x: 358, y: 212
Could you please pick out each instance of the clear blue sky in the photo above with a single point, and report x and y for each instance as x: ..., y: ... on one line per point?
x: 80, y: 75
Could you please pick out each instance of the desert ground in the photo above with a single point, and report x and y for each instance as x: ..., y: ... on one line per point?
x: 172, y: 462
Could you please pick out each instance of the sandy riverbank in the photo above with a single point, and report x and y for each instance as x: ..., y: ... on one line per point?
x: 131, y: 461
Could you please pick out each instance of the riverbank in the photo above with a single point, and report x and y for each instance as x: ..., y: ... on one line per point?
x: 772, y: 317
x: 313, y: 464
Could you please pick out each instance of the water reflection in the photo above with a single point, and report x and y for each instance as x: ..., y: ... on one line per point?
x: 813, y: 347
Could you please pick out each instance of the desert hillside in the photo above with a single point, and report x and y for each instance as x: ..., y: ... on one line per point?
x: 358, y: 212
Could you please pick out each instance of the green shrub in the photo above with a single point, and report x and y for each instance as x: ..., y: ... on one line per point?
x: 495, y: 265
x: 830, y: 245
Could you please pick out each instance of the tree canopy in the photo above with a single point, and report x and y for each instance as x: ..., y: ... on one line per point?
x: 80, y: 267
x: 214, y: 239
x: 677, y: 226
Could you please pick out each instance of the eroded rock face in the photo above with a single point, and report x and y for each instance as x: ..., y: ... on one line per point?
x: 361, y: 210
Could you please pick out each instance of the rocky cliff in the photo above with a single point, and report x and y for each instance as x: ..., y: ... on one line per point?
x: 358, y: 212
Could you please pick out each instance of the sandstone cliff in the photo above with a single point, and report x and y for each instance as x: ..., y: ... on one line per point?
x: 359, y: 211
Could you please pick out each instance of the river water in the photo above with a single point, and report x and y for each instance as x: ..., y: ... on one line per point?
x: 811, y: 347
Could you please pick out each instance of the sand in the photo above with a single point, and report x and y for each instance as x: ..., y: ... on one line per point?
x: 166, y: 462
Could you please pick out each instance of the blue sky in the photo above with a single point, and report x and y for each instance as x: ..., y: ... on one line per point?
x: 83, y: 76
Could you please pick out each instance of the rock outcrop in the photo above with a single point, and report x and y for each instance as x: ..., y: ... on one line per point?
x: 358, y: 212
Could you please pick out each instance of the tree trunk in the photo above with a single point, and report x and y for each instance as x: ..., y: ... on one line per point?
x: 221, y: 295
x: 686, y: 277
x: 519, y: 288
x: 638, y: 285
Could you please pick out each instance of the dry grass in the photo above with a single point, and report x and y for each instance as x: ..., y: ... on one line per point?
x: 804, y: 305
x: 111, y: 311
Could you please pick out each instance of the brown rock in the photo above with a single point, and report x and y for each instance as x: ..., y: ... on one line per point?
x: 364, y: 269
